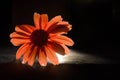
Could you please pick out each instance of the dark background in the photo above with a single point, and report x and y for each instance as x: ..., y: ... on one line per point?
x: 95, y: 22
x: 95, y: 26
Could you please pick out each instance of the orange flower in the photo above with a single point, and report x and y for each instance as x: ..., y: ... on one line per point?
x: 43, y: 40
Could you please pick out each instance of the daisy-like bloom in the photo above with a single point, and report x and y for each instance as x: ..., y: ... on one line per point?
x: 42, y: 41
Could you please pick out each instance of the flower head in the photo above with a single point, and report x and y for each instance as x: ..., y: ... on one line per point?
x: 43, y: 40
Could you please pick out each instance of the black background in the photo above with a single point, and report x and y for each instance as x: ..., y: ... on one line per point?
x: 95, y: 23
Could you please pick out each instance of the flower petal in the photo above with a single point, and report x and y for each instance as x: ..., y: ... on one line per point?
x: 44, y: 20
x: 59, y: 48
x: 36, y: 19
x: 27, y: 54
x: 62, y: 40
x: 65, y: 23
x: 18, y: 35
x: 61, y: 28
x: 32, y: 56
x: 65, y: 48
x: 52, y: 22
x: 26, y: 29
x: 17, y: 41
x: 42, y: 58
x: 51, y: 54
x: 22, y: 50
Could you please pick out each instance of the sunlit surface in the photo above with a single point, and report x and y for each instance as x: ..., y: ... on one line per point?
x: 61, y: 58
x: 71, y: 67
x: 78, y: 58
x: 74, y: 57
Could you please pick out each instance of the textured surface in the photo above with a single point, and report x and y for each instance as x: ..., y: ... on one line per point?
x: 77, y: 66
x: 8, y: 55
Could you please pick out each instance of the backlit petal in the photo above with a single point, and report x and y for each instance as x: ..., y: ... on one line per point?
x: 65, y: 23
x: 44, y: 20
x: 52, y: 22
x: 32, y: 56
x: 26, y: 29
x: 18, y: 42
x: 27, y: 54
x: 42, y: 57
x: 61, y: 27
x: 59, y: 48
x: 65, y: 48
x: 22, y: 50
x: 62, y: 40
x: 51, y: 54
x: 37, y: 20
x: 18, y: 35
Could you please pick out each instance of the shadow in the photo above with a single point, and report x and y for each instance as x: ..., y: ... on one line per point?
x: 15, y: 70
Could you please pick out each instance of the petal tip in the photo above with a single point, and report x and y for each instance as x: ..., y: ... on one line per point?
x: 43, y: 65
x: 35, y: 13
x: 10, y: 35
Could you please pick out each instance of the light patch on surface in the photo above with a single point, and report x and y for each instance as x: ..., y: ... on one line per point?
x: 23, y: 62
x: 78, y: 58
x: 75, y: 57
x: 61, y: 58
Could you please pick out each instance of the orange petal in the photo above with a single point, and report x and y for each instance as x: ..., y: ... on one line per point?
x: 18, y: 35
x: 44, y: 20
x: 36, y: 19
x: 42, y: 58
x: 32, y: 56
x: 51, y: 54
x: 62, y: 40
x: 22, y: 50
x: 65, y: 48
x: 26, y: 29
x: 61, y: 29
x: 52, y: 22
x: 17, y: 41
x: 27, y: 54
x: 59, y: 48
x: 65, y: 23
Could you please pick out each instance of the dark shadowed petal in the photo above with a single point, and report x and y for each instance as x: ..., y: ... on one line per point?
x: 61, y: 28
x: 66, y: 48
x: 26, y: 29
x: 59, y: 48
x: 62, y: 40
x: 52, y: 22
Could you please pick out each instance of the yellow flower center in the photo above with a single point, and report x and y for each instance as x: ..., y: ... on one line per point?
x: 39, y: 37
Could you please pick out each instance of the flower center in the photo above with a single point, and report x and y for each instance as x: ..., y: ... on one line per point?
x: 39, y: 37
